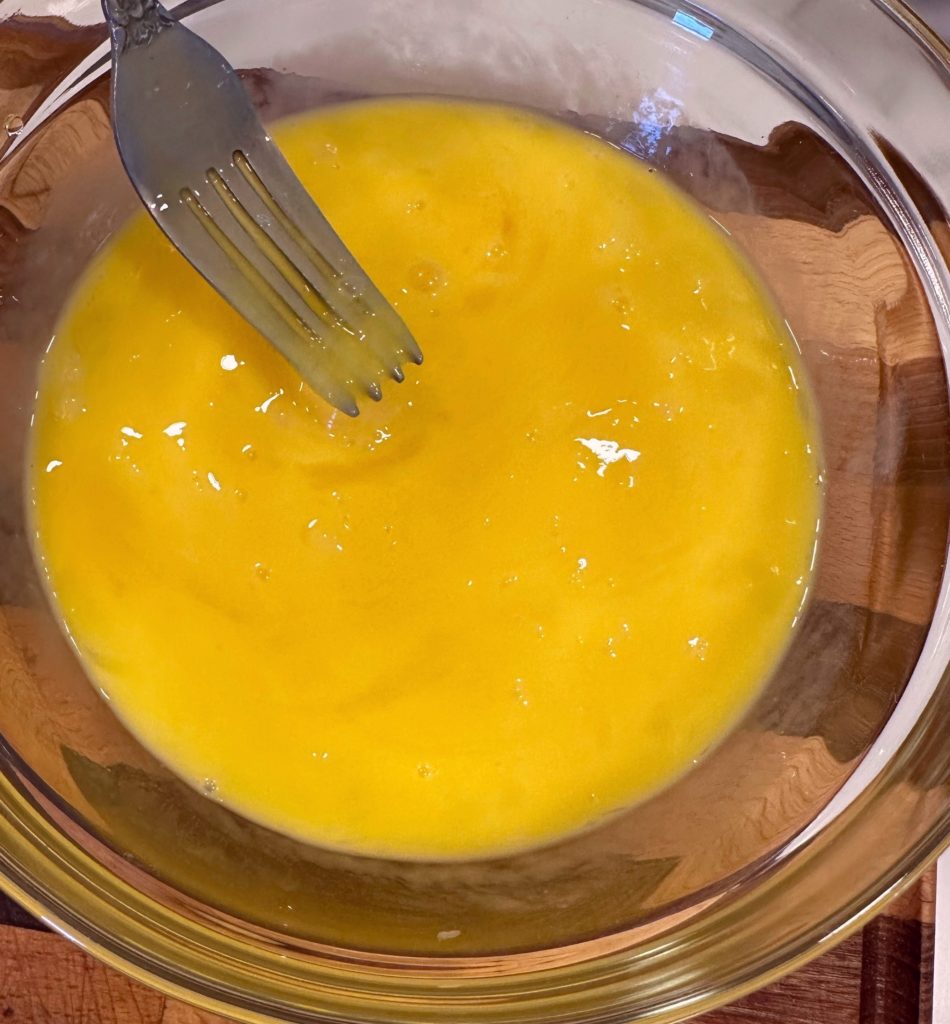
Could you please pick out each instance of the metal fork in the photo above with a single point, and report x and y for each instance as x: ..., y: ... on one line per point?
x: 218, y: 186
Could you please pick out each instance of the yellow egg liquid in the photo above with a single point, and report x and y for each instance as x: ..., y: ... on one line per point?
x: 528, y: 589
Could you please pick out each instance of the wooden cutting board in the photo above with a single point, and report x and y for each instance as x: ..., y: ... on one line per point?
x: 883, y: 975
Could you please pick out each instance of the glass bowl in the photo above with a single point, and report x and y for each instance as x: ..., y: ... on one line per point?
x: 809, y: 130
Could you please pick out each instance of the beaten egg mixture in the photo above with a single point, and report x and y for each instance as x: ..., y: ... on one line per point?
x: 529, y: 588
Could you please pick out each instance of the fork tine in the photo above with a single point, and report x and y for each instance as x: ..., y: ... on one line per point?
x: 230, y: 271
x: 355, y: 360
x: 291, y: 206
x: 278, y: 258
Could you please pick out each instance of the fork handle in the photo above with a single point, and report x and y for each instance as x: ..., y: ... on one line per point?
x: 135, y: 22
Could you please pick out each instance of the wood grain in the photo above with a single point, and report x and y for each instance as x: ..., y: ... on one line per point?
x: 880, y: 976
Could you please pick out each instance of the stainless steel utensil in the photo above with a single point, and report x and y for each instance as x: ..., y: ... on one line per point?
x: 218, y: 186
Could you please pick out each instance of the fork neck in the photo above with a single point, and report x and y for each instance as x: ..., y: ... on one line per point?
x: 135, y: 22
